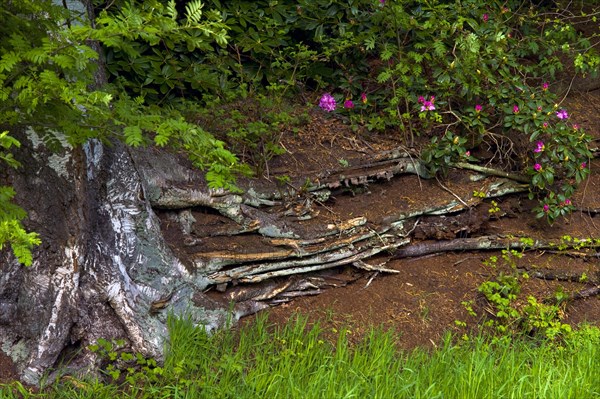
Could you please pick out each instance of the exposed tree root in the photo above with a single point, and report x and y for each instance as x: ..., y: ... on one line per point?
x: 588, y: 292
x: 492, y: 172
x: 561, y: 275
x: 486, y: 243
x: 287, y: 247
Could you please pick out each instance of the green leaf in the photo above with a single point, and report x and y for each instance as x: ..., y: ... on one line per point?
x: 194, y: 11
x: 133, y: 135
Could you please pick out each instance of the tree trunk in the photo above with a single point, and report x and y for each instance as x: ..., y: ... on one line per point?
x: 101, y: 266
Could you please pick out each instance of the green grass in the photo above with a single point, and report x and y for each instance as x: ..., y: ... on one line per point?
x: 294, y: 361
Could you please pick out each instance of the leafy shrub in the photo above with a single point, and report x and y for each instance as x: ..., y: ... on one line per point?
x: 513, y: 315
x: 475, y: 75
x: 470, y: 73
x: 486, y: 65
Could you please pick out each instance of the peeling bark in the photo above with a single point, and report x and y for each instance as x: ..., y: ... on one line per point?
x: 101, y: 266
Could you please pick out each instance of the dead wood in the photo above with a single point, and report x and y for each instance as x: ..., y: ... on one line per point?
x: 492, y: 172
x: 485, y: 243
x: 561, y: 275
x: 588, y: 292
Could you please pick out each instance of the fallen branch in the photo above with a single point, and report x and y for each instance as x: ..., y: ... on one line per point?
x: 561, y: 276
x: 487, y: 243
x: 492, y: 172
x: 588, y: 292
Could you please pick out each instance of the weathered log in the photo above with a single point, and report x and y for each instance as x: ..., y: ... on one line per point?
x: 492, y: 172
x: 486, y: 243
x: 586, y: 293
x: 562, y: 275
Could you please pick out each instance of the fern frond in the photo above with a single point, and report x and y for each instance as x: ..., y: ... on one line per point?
x: 439, y: 48
x: 193, y: 11
x: 171, y: 10
x: 133, y: 135
x: 8, y: 61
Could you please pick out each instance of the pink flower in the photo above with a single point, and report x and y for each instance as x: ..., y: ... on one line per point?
x: 539, y: 108
x: 485, y: 17
x: 516, y: 109
x: 327, y: 102
x: 348, y: 104
x: 427, y: 104
x: 567, y: 202
x: 537, y: 167
x: 545, y: 125
x: 468, y: 154
x: 546, y: 208
x: 583, y: 165
x: 478, y: 108
x: 540, y: 146
x: 545, y: 86
x: 576, y: 127
x: 363, y: 98
x: 562, y: 114
x: 382, y: 2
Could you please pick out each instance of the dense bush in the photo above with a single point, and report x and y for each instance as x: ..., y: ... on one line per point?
x: 470, y: 75
x: 467, y: 74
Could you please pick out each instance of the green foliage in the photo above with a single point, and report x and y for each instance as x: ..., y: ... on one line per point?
x: 153, y: 53
x: 122, y: 365
x: 252, y: 127
x: 442, y: 153
x: 472, y: 57
x: 11, y: 229
x: 291, y: 44
x: 514, y: 315
x: 296, y: 360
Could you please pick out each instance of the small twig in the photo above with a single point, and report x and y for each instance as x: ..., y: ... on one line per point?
x: 463, y: 260
x: 558, y: 276
x: 576, y: 254
x: 568, y: 89
x: 371, y: 279
x: 451, y: 192
x: 378, y: 268
x: 411, y: 230
x: 586, y: 293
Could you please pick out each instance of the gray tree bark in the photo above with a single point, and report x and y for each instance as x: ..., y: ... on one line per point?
x: 102, y: 263
x: 101, y: 266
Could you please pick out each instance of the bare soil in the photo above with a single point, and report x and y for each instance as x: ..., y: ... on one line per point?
x: 423, y: 301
